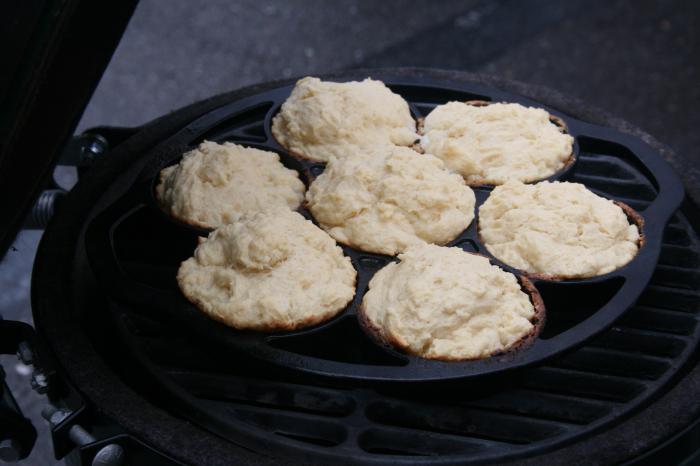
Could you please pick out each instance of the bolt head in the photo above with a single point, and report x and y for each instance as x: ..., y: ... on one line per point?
x: 25, y: 354
x: 39, y: 382
x: 58, y: 417
x: 93, y: 147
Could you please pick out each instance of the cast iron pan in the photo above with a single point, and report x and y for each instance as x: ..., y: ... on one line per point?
x: 135, y: 250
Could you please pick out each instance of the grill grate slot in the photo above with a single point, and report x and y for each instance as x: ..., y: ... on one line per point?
x: 321, y: 442
x: 606, y: 361
x: 177, y: 354
x: 675, y: 235
x: 138, y: 243
x: 423, y: 97
x: 624, y: 189
x: 315, y: 430
x: 660, y: 321
x: 587, y: 385
x: 323, y: 344
x: 466, y: 422
x: 636, y: 204
x: 678, y: 256
x: 570, y: 304
x: 245, y: 126
x: 675, y: 277
x: 266, y: 393
x: 407, y: 442
x: 619, y: 338
x: 616, y: 154
x: 677, y: 222
x: 668, y: 298
x: 602, y: 167
x: 544, y: 406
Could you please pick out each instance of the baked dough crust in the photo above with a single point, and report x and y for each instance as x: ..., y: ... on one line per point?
x: 323, y: 119
x: 390, y: 198
x: 558, y: 230
x: 444, y: 303
x: 215, y: 184
x: 496, y: 143
x: 268, y: 271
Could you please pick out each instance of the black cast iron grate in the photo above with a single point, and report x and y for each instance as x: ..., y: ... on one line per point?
x: 528, y: 412
x: 517, y: 415
x: 136, y: 248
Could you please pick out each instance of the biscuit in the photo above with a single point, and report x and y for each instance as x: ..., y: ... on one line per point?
x: 390, y: 198
x: 268, y: 271
x: 444, y: 303
x: 323, y: 119
x: 216, y: 183
x: 495, y: 143
x: 557, y: 230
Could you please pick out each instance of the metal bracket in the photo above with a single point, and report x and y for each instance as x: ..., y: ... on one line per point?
x: 68, y: 434
x: 81, y: 152
x: 84, y: 149
x: 106, y: 451
x: 17, y: 434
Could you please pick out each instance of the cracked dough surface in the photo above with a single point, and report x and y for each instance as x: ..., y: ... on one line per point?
x: 216, y: 183
x: 558, y: 229
x: 269, y: 271
x: 497, y: 142
x: 444, y: 303
x: 323, y: 119
x: 390, y: 198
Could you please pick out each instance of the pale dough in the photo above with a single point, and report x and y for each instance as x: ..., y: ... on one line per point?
x: 497, y: 142
x: 556, y: 229
x: 444, y: 303
x: 268, y: 271
x: 389, y: 198
x: 323, y: 119
x: 216, y: 183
